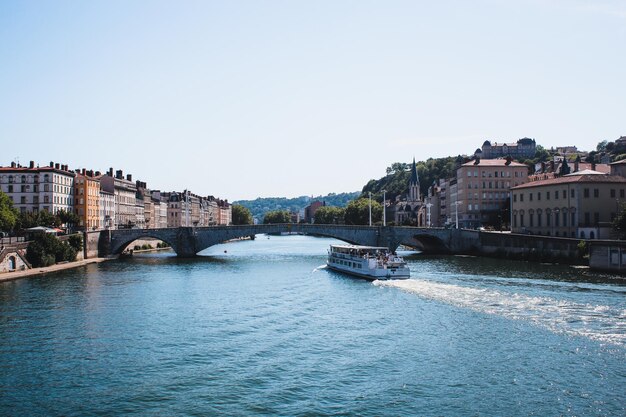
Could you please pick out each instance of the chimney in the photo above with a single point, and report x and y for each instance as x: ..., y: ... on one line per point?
x: 477, y: 160
x: 12, y: 164
x: 119, y: 174
x: 129, y: 177
x: 57, y: 166
x: 84, y: 171
x: 51, y: 164
x: 508, y: 160
x: 32, y: 164
x: 593, y: 165
x: 98, y: 173
x: 110, y: 173
x: 576, y: 165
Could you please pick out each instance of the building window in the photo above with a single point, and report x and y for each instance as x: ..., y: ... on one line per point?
x: 613, y: 194
x: 556, y: 194
x: 587, y: 219
x: 547, y: 195
x: 586, y: 192
x: 548, y: 218
x: 539, y: 195
x: 596, y: 193
x: 621, y: 193
x: 572, y: 194
x: 521, y: 197
x: 530, y: 196
x: 573, y: 218
x: 531, y: 219
x: 514, y: 198
x: 564, y: 194
x: 596, y: 218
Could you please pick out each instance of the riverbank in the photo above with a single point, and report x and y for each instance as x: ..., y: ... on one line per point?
x: 10, y: 276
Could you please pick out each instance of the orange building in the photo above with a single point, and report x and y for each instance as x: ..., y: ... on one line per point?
x: 87, y: 200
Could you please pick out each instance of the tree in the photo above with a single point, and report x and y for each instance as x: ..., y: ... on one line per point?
x: 357, y: 212
x: 8, y: 214
x: 67, y: 217
x: 46, y: 249
x: 241, y: 215
x: 329, y: 215
x: 278, y: 216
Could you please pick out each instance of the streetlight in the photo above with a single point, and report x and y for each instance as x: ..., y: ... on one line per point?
x: 370, y: 193
x: 428, y: 206
x: 384, y: 208
x: 456, y: 212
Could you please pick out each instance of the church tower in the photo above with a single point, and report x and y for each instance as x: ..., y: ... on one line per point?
x: 414, y: 184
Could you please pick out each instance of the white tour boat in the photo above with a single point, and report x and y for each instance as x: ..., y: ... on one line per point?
x: 370, y: 262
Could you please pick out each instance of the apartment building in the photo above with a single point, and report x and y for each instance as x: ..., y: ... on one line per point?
x: 32, y: 189
x: 125, y: 194
x: 578, y: 205
x: 87, y: 199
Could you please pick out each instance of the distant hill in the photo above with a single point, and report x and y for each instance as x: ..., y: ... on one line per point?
x: 260, y: 206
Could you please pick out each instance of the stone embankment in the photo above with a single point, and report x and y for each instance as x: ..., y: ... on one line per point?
x: 13, y: 275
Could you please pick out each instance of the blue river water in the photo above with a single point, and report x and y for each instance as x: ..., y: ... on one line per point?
x: 262, y: 328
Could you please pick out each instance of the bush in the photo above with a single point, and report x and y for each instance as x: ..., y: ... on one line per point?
x: 145, y: 246
x: 46, y: 250
x: 76, y: 241
x: 137, y: 247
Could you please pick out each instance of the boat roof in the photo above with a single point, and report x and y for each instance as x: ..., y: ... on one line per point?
x: 359, y: 247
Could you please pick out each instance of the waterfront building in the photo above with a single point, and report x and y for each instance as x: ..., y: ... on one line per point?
x: 522, y: 149
x: 578, y: 205
x: 33, y: 189
x: 87, y: 199
x: 482, y: 191
x: 225, y: 213
x: 618, y: 168
x: 107, y: 210
x: 125, y: 193
x: 174, y: 209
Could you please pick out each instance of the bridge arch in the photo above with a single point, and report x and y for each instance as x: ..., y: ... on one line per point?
x: 188, y: 241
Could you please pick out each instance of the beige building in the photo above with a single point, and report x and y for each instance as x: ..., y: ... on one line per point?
x: 33, y: 189
x: 125, y: 194
x: 482, y: 191
x: 579, y: 205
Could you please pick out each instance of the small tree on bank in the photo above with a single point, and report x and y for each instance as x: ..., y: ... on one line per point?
x: 278, y: 216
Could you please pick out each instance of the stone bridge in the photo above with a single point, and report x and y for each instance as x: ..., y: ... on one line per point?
x: 188, y: 241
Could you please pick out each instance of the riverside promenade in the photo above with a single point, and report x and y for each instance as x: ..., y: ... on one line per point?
x: 13, y: 275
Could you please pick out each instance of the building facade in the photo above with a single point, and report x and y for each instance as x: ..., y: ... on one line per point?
x: 33, y: 189
x: 578, y: 205
x: 522, y: 149
x: 483, y: 189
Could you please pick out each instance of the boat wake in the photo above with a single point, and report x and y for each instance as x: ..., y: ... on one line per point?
x: 598, y: 322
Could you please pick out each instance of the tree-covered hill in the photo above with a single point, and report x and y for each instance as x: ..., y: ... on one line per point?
x: 260, y: 206
x: 396, y: 182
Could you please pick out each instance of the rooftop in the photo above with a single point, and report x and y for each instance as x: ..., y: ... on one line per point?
x: 577, y: 177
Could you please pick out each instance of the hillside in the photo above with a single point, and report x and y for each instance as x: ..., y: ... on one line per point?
x: 396, y: 182
x: 260, y: 206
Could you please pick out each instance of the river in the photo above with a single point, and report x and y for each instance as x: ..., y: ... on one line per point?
x: 262, y: 328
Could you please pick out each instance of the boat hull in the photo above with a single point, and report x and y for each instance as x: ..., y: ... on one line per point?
x: 388, y: 274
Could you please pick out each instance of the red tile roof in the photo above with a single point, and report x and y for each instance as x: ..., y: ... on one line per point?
x: 493, y: 162
x: 569, y: 179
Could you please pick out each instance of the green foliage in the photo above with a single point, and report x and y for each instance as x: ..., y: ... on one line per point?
x: 29, y: 219
x: 357, y: 212
x: 278, y: 216
x: 260, y: 206
x: 582, y: 249
x: 396, y: 182
x: 8, y: 214
x: 67, y: 217
x: 46, y: 249
x: 330, y: 215
x: 146, y: 246
x: 76, y: 241
x: 241, y: 214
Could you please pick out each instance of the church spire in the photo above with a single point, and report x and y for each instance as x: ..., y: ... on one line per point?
x: 414, y: 184
x: 414, y: 178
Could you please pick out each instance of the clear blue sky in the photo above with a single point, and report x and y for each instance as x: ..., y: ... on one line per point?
x: 241, y: 99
